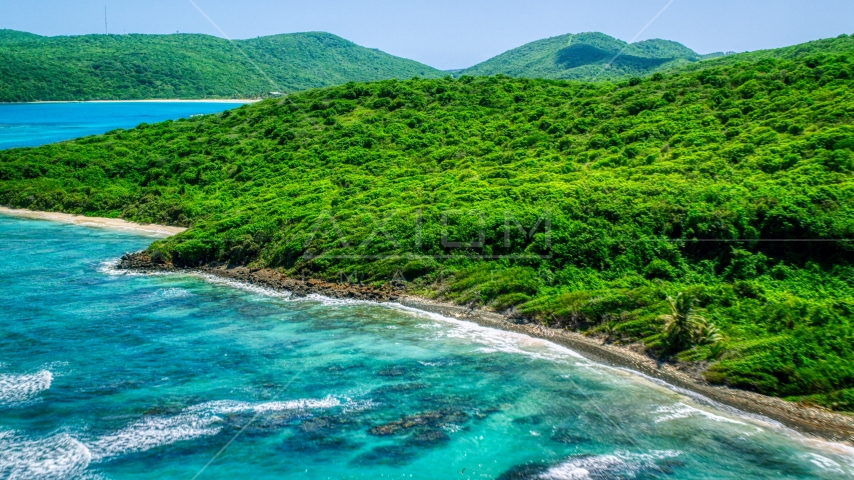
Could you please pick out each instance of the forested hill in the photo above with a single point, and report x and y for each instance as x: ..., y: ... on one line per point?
x: 127, y: 67
x: 841, y: 45
x: 584, y: 56
x: 580, y: 205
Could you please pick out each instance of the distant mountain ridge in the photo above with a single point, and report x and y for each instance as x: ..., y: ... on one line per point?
x: 136, y: 66
x: 582, y: 57
x: 193, y: 66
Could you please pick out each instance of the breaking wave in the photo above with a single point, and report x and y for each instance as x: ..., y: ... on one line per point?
x: 681, y: 410
x: 616, y: 465
x: 496, y: 340
x: 193, y: 422
x: 18, y: 389
x: 111, y: 268
x: 63, y: 456
x: 59, y: 456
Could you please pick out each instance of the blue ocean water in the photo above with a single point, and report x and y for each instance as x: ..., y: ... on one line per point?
x: 33, y: 124
x: 109, y: 375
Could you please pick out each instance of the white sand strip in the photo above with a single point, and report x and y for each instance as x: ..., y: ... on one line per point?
x: 114, y: 223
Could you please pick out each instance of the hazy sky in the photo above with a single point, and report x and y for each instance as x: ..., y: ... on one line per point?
x: 452, y: 34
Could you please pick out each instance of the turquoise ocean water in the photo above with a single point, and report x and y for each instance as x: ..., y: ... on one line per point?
x: 28, y: 125
x: 108, y: 375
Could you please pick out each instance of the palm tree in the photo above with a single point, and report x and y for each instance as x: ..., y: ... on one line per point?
x: 683, y: 328
x: 708, y: 335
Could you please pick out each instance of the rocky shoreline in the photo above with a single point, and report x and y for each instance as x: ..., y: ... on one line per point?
x: 808, y: 420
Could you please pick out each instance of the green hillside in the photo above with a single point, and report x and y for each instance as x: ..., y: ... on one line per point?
x: 582, y: 57
x: 126, y: 67
x: 578, y: 205
x: 841, y: 45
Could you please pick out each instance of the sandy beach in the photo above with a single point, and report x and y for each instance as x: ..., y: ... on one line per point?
x: 112, y: 223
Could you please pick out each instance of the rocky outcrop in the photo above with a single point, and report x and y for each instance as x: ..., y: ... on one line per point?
x: 143, y: 262
x: 269, y: 278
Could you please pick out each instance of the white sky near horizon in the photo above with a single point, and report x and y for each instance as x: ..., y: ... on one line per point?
x: 452, y: 34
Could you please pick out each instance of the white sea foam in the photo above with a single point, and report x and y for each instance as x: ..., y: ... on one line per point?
x: 704, y: 400
x: 846, y: 451
x: 17, y: 389
x: 615, y: 465
x: 247, y: 287
x: 151, y: 432
x: 681, y: 410
x: 496, y: 339
x: 62, y: 456
x: 59, y: 456
x: 193, y: 422
x: 358, y: 405
x: 842, y: 452
x: 280, y: 294
x: 173, y: 292
x: 435, y: 364
x: 487, y: 350
x: 111, y: 268
x: 826, y: 464
x: 231, y: 406
x: 428, y: 326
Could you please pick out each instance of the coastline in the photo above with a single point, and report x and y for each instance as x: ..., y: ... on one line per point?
x: 809, y: 421
x: 174, y: 100
x: 112, y: 223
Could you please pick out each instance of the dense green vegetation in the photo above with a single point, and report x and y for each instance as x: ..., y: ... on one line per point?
x: 841, y: 45
x: 730, y: 185
x: 126, y: 67
x: 584, y: 56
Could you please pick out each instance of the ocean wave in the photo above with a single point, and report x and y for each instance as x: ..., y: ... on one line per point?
x: 495, y: 339
x: 193, y: 422
x: 17, y: 389
x: 247, y: 287
x: 231, y: 406
x: 826, y: 464
x: 681, y: 410
x: 111, y: 267
x: 615, y: 465
x: 63, y: 456
x: 59, y: 456
x: 704, y: 400
x: 152, y: 432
